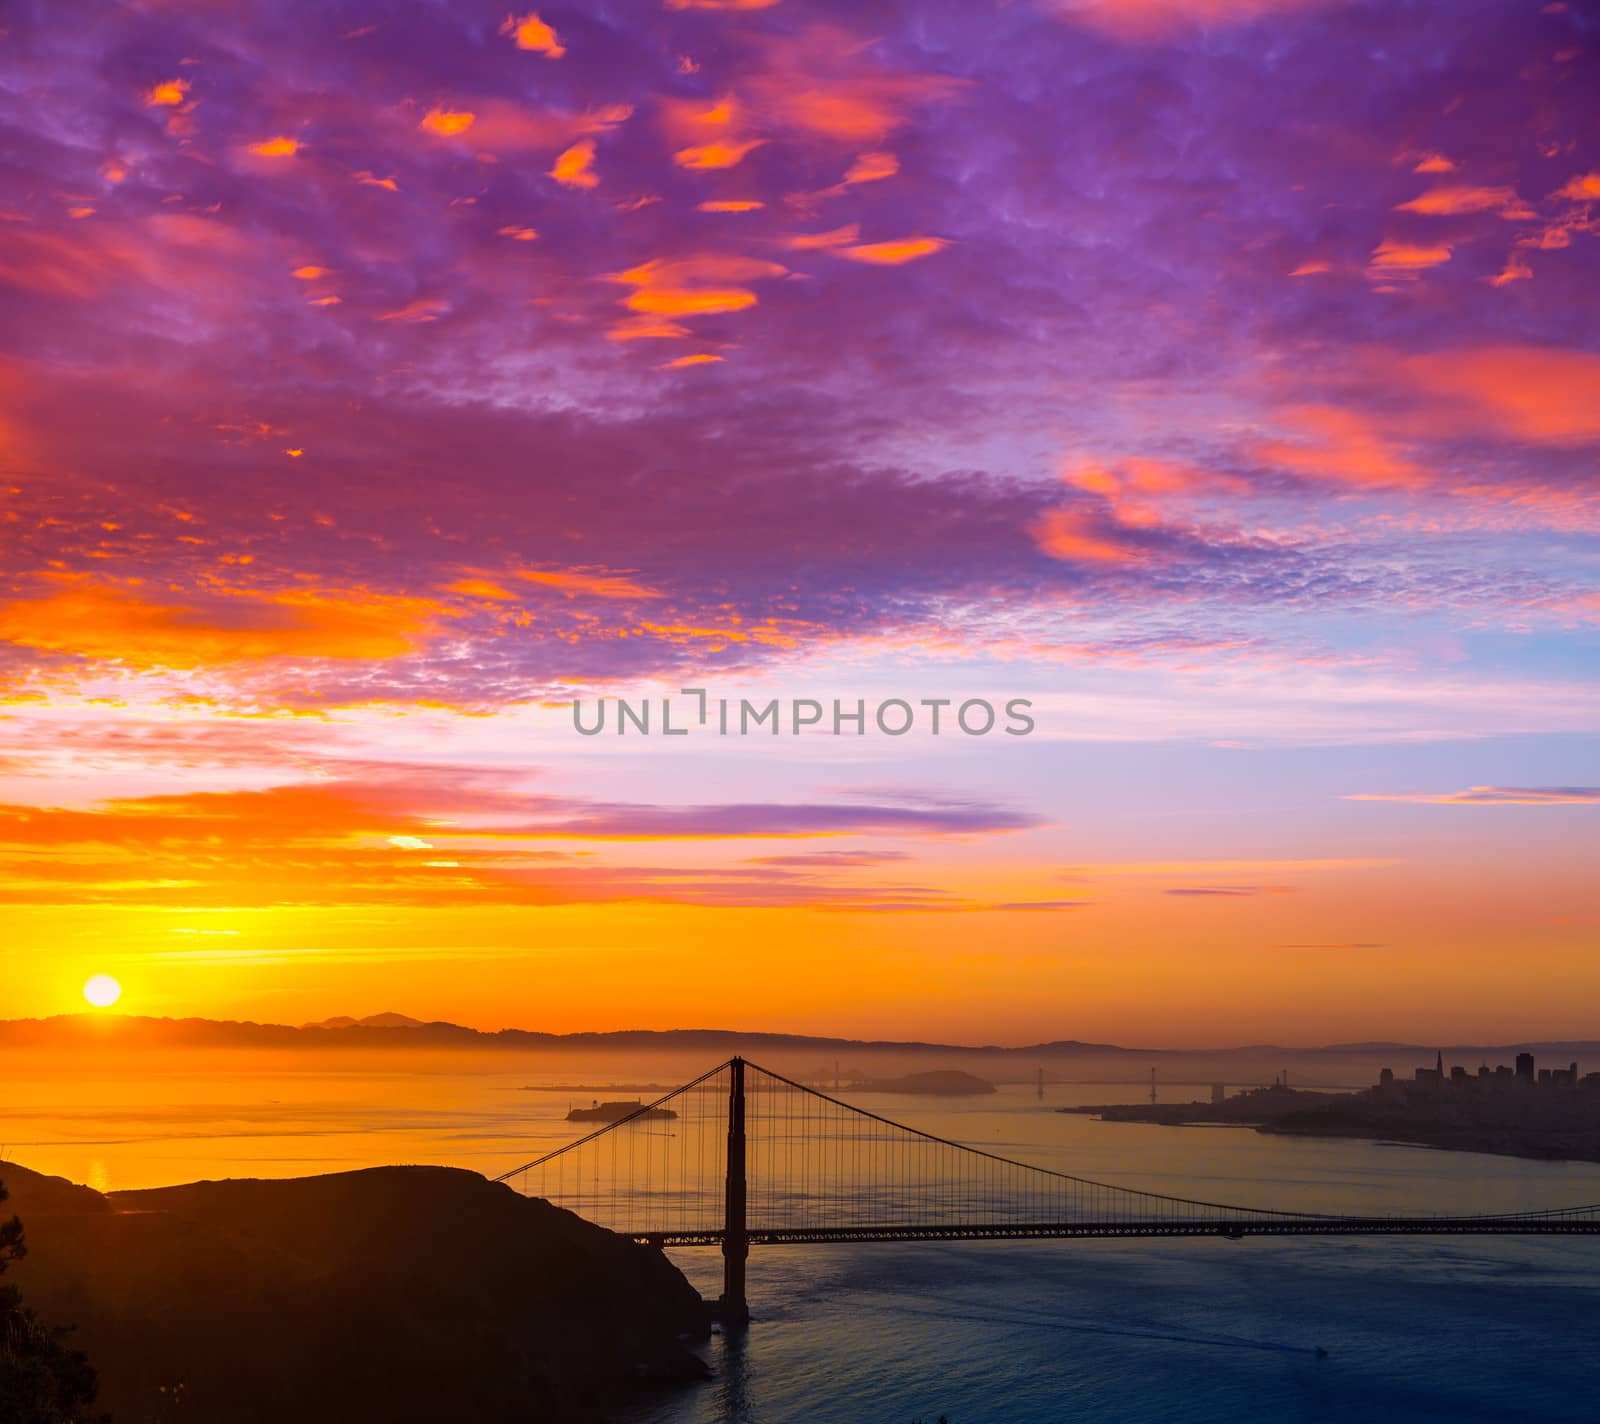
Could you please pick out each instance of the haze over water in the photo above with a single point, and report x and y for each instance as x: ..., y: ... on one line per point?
x: 1009, y: 1333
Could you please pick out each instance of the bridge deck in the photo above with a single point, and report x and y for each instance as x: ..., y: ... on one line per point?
x: 1092, y: 1230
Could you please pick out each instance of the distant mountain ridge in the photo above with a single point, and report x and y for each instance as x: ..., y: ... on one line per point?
x: 396, y: 1030
x: 384, y: 1020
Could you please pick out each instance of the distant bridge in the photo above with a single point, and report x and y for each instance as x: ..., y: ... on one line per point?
x: 743, y: 1156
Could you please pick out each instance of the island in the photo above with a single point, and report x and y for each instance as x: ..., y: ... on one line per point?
x: 943, y: 1083
x: 395, y: 1293
x: 615, y: 1112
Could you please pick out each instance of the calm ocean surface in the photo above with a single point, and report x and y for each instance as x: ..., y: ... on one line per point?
x: 1016, y: 1333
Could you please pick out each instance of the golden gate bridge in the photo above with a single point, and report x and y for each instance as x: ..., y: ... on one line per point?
x: 742, y: 1156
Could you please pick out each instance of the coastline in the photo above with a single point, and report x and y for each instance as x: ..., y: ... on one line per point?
x: 1495, y: 1141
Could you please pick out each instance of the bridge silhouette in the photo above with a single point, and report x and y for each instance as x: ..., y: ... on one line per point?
x: 743, y: 1156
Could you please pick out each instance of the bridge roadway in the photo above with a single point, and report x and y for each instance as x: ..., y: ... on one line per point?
x: 1554, y: 1225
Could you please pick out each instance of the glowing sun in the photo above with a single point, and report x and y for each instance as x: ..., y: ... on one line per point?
x: 102, y: 991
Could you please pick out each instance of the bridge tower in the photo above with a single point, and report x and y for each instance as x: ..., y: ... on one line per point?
x: 733, y: 1309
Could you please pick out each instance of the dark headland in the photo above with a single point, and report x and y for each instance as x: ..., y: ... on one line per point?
x: 395, y: 1293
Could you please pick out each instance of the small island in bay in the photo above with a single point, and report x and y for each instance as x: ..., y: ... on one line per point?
x: 943, y: 1083
x: 615, y: 1112
x: 1517, y: 1110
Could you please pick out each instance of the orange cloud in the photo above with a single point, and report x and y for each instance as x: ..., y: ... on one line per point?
x: 1455, y: 199
x: 491, y: 585
x: 699, y: 267
x: 1135, y: 487
x: 1081, y: 538
x: 422, y: 309
x: 480, y: 588
x: 168, y: 94
x: 1515, y: 270
x: 842, y: 115
x: 700, y: 358
x: 721, y: 153
x: 1585, y: 188
x: 866, y: 114
x: 447, y: 122
x: 531, y: 33
x: 1340, y: 445
x: 821, y: 241
x: 125, y: 623
x: 405, y: 833
x: 504, y: 126
x: 279, y: 147
x: 695, y: 121
x: 732, y: 205
x: 1134, y: 491
x: 310, y: 273
x: 694, y: 286
x: 1402, y: 259
x: 712, y: 136
x: 574, y: 168
x: 696, y: 301
x: 819, y: 82
x: 1148, y: 21
x: 892, y: 254
x: 823, y: 83
x: 518, y: 234
x: 871, y: 167
x: 643, y: 327
x: 1537, y: 393
x: 173, y: 251
x: 1311, y: 269
x: 572, y: 581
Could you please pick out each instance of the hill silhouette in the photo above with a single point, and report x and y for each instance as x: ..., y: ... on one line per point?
x: 389, y: 1019
x: 397, y: 1293
x: 941, y: 1083
x: 391, y: 1031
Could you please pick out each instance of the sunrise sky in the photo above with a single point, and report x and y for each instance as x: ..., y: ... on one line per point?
x: 1222, y: 375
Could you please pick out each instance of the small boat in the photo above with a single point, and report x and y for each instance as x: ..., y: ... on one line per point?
x: 615, y: 1112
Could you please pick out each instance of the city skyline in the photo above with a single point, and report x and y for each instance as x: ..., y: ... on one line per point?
x: 1216, y: 376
